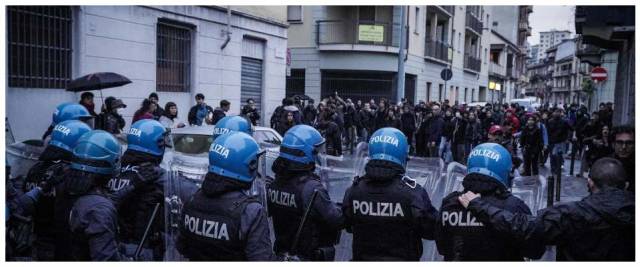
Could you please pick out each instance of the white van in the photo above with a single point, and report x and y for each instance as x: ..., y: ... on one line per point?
x: 526, y: 103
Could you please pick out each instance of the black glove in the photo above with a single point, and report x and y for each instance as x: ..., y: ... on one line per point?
x: 52, y: 177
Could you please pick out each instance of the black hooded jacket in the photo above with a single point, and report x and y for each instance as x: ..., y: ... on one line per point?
x: 460, y: 236
x: 600, y: 227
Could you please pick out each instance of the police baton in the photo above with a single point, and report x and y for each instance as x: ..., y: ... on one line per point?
x: 291, y: 255
x: 146, y: 231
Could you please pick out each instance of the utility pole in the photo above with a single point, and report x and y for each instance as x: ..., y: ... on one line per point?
x: 403, y: 37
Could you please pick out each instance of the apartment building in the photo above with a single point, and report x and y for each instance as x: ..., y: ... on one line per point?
x: 178, y: 51
x: 353, y: 50
x: 551, y: 38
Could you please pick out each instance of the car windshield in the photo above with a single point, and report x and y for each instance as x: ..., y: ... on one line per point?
x: 266, y: 137
x: 194, y: 144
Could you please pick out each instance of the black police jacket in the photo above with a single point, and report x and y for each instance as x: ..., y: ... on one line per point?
x: 460, y: 236
x: 93, y: 224
x: 135, y: 210
x: 43, y: 213
x: 221, y: 222
x: 288, y: 199
x: 600, y: 227
x: 388, y: 216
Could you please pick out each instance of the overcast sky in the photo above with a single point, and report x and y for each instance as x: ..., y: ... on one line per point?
x: 545, y: 18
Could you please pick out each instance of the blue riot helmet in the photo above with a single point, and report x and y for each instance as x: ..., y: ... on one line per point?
x: 389, y: 144
x: 490, y: 159
x: 97, y: 152
x: 302, y: 144
x: 147, y: 136
x: 70, y: 111
x: 232, y: 123
x: 235, y: 155
x: 65, y: 134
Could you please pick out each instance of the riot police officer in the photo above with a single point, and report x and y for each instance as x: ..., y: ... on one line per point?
x: 68, y: 111
x: 146, y: 141
x: 289, y: 196
x: 460, y: 236
x: 47, y: 172
x: 222, y: 221
x: 388, y: 213
x: 91, y: 218
x: 230, y: 124
x: 600, y: 227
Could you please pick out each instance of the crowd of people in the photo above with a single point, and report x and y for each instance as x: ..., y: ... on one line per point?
x: 85, y: 201
x: 435, y: 129
x: 451, y: 131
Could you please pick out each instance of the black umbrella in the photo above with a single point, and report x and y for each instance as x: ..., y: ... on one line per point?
x: 97, y: 81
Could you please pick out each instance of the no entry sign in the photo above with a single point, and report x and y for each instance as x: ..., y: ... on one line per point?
x: 598, y: 74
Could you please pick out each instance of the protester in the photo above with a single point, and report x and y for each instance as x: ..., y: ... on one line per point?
x: 157, y: 113
x: 198, y: 114
x: 624, y: 151
x: 219, y: 112
x: 86, y: 100
x: 146, y: 111
x: 109, y: 119
x: 250, y: 112
x: 169, y: 118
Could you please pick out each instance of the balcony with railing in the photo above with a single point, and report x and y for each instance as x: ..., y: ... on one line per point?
x: 473, y: 23
x: 435, y: 49
x: 471, y: 63
x: 357, y: 35
x: 497, y: 69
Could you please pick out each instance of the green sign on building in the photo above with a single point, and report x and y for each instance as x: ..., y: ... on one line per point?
x: 371, y: 33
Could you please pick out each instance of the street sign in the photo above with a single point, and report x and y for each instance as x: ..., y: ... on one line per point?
x: 446, y: 74
x: 599, y: 74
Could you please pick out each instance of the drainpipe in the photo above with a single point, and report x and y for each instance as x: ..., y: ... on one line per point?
x: 228, y: 31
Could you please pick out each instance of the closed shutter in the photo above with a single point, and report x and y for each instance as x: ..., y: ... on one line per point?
x: 251, y: 84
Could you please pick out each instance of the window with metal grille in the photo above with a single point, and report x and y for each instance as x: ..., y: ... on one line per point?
x: 173, y: 56
x: 294, y: 13
x: 295, y: 82
x: 39, y: 46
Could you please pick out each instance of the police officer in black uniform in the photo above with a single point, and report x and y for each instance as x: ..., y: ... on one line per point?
x: 146, y: 141
x: 600, y: 227
x: 290, y: 194
x: 222, y: 221
x: 387, y: 212
x: 49, y: 169
x: 460, y: 236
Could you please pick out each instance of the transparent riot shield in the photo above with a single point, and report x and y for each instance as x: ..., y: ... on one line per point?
x: 23, y: 155
x: 531, y: 190
x: 427, y: 172
x: 185, y: 177
x: 337, y: 175
x: 361, y: 157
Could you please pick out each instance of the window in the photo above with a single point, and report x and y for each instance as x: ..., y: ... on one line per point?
x: 39, y: 46
x: 428, y: 92
x: 294, y: 14
x: 295, y: 83
x: 173, y: 56
x: 439, y: 92
x: 416, y: 22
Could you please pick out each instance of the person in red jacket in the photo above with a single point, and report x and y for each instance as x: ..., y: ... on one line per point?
x: 145, y: 112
